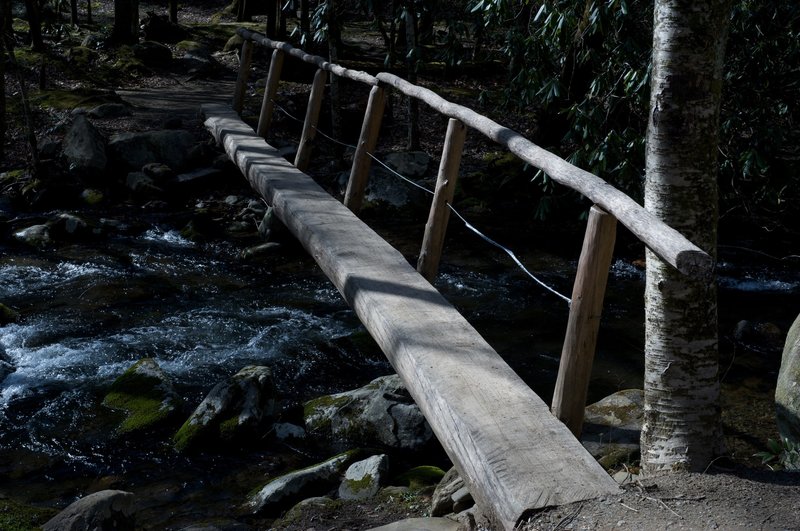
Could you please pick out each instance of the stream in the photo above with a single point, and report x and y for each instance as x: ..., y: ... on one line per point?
x: 92, y: 309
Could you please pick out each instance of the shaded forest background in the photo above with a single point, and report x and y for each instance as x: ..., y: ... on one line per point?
x: 578, y: 70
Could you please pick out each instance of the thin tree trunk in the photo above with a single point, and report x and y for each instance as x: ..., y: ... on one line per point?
x: 173, y: 11
x: 682, y: 427
x: 333, y: 54
x: 26, y: 108
x: 35, y: 24
x: 73, y: 12
x: 411, y: 61
x: 305, y: 21
x: 123, y: 13
x: 89, y: 11
x: 134, y: 21
x: 272, y: 19
x: 3, y: 12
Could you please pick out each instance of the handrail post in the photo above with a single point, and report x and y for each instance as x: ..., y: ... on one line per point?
x: 303, y: 157
x: 436, y: 227
x: 267, y: 106
x: 367, y: 141
x: 243, y: 75
x: 577, y: 355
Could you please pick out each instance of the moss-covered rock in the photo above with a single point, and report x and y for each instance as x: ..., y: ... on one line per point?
x: 235, y: 410
x: 7, y: 315
x: 363, y: 479
x: 787, y: 391
x: 145, y: 393
x: 419, y: 477
x: 283, y: 491
x: 612, y: 427
x: 380, y: 414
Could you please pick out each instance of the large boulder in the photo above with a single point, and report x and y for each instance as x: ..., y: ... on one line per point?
x: 381, y: 414
x: 107, y: 509
x: 146, y: 395
x: 787, y: 391
x: 132, y: 151
x: 442, y: 500
x: 386, y: 187
x: 6, y: 364
x: 612, y: 427
x: 234, y: 410
x: 283, y: 491
x: 85, y: 149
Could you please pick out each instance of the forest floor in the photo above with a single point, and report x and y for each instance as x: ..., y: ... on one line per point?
x: 736, y: 494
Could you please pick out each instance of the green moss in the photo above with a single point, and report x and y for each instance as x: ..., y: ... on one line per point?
x: 316, y: 405
x: 18, y: 517
x: 186, y: 436
x: 228, y: 428
x: 419, y: 477
x: 70, y: 99
x: 189, y: 46
x: 141, y: 397
x: 357, y: 485
x: 7, y: 315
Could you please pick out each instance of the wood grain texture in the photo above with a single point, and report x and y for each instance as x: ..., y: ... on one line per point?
x: 512, y: 453
x: 588, y: 291
x: 436, y: 227
x: 320, y: 62
x: 270, y: 90
x: 662, y: 239
x: 303, y: 157
x: 241, y: 79
x: 371, y: 126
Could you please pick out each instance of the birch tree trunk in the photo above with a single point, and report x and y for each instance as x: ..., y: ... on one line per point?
x: 682, y: 427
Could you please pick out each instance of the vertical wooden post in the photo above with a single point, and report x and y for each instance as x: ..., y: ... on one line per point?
x: 267, y: 106
x: 370, y: 128
x: 577, y: 355
x: 303, y: 156
x: 241, y: 79
x: 435, y: 228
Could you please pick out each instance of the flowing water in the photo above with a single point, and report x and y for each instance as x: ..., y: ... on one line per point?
x: 89, y: 311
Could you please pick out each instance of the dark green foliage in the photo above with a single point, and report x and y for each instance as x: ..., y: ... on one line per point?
x: 584, y: 67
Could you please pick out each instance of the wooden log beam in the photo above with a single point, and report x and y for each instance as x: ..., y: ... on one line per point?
x: 320, y: 62
x: 662, y: 239
x: 436, y: 227
x: 514, y: 456
x: 303, y: 157
x: 270, y: 91
x: 241, y: 79
x: 588, y: 291
x: 371, y: 126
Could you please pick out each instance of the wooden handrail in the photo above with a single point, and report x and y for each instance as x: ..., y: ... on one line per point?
x: 669, y: 244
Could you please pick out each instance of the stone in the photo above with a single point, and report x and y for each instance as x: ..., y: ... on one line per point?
x: 256, y: 251
x: 759, y: 336
x: 132, y: 151
x: 152, y: 53
x: 234, y: 43
x: 412, y: 164
x: 421, y: 524
x: 159, y: 28
x: 48, y: 147
x: 380, y: 414
x: 107, y: 509
x: 158, y: 171
x: 84, y: 148
x: 68, y: 225
x: 285, y: 490
x: 146, y: 395
x: 314, y: 503
x: 420, y: 477
x: 6, y: 363
x: 283, y: 431
x: 35, y: 236
x: 462, y: 500
x: 234, y: 410
x: 442, y: 499
x: 787, y: 391
x: 110, y: 110
x: 612, y: 427
x: 93, y: 40
x: 363, y: 479
x: 7, y: 316
x: 142, y: 185
x: 92, y: 196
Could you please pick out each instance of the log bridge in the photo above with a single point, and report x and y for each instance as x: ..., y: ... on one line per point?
x: 513, y: 452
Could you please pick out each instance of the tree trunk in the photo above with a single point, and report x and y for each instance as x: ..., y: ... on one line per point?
x: 89, y: 11
x: 333, y: 56
x: 173, y: 11
x: 123, y: 13
x: 411, y: 61
x: 682, y: 427
x: 73, y: 12
x: 305, y: 22
x: 35, y: 24
x: 272, y: 19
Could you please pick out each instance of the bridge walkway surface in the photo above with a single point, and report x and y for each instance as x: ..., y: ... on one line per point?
x: 513, y: 454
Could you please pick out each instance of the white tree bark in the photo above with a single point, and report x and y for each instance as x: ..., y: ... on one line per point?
x: 682, y: 427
